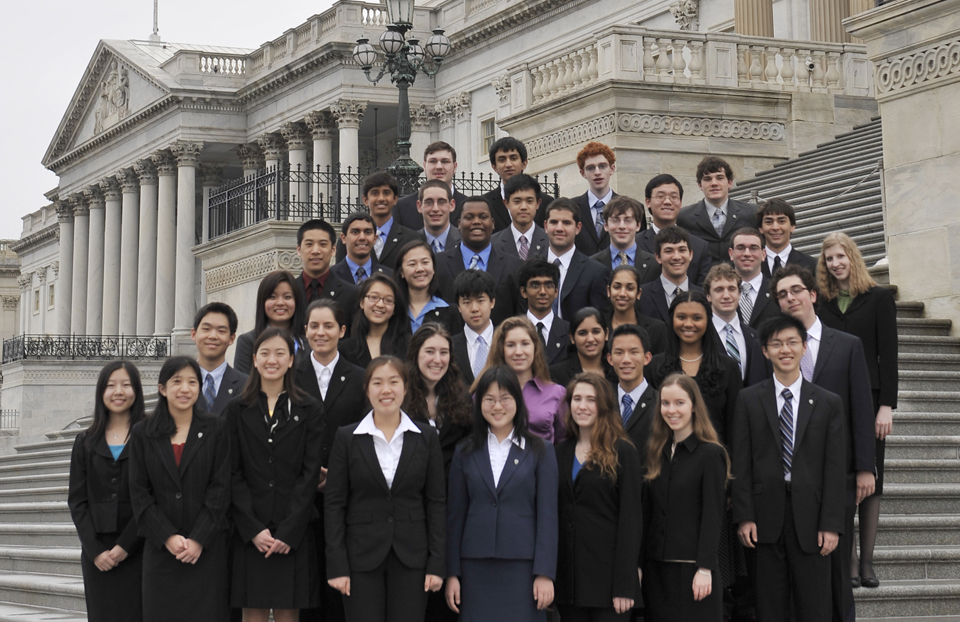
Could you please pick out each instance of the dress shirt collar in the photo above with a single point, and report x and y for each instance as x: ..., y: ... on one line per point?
x: 385, y: 229
x: 592, y: 198
x: 721, y: 325
x: 547, y: 322
x: 794, y: 390
x: 435, y: 302
x: 511, y: 439
x: 442, y: 238
x: 216, y: 373
x: 784, y: 255
x: 655, y: 228
x: 468, y: 254
x: 634, y: 395
x: 755, y: 283
x: 319, y: 367
x: 308, y: 280
x: 368, y: 267
x: 471, y: 336
x: 711, y: 208
x: 367, y: 426
x: 816, y: 330
x: 631, y: 253
x: 669, y: 285
x: 565, y: 258
x: 517, y: 233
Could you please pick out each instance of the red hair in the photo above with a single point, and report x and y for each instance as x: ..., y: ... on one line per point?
x: 594, y: 149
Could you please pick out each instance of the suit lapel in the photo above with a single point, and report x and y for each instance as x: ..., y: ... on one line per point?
x: 514, y: 458
x: 338, y: 380
x: 165, y: 451
x: 827, y: 343
x: 763, y: 299
x: 198, y: 436
x: 768, y: 399
x: 557, y: 339
x: 229, y: 388
x: 565, y: 455
x: 659, y: 299
x: 410, y: 439
x: 733, y: 217
x: 540, y: 242
x: 101, y: 448
x: 703, y: 218
x: 495, y: 265
x: 369, y: 453
x: 586, y: 217
x: 482, y: 459
x: 296, y: 419
x: 640, y: 410
x: 804, y: 412
x: 573, y: 273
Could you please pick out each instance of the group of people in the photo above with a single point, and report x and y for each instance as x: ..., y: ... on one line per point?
x: 508, y: 407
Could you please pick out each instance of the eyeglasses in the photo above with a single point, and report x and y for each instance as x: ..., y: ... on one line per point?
x: 753, y: 248
x: 660, y: 196
x: 794, y: 291
x: 791, y: 343
x: 626, y: 220
x: 535, y: 286
x: 375, y: 298
x: 506, y: 400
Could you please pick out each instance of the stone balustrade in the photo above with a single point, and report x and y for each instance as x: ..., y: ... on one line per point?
x: 566, y: 74
x: 223, y: 64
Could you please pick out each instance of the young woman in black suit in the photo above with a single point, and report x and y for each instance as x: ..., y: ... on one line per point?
x: 683, y: 502
x: 854, y: 303
x: 99, y: 498
x: 599, y: 508
x: 275, y: 435
x: 624, y: 293
x: 385, y: 506
x: 588, y: 348
x: 416, y: 276
x: 180, y: 490
x: 280, y: 304
x: 381, y: 327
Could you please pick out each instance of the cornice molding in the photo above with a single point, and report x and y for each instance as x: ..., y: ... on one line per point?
x: 51, y: 232
x: 935, y: 63
x: 251, y: 269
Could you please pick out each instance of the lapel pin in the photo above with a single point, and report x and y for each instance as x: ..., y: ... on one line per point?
x: 230, y: 391
x: 332, y: 294
x: 343, y: 378
x: 394, y: 239
x: 199, y: 434
x: 643, y: 405
x: 811, y: 400
x: 558, y: 345
x: 768, y: 294
x: 296, y: 418
x: 734, y: 215
x: 516, y: 461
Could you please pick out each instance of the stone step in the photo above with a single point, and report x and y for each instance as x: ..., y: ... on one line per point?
x: 927, y: 380
x: 923, y: 326
x: 922, y: 447
x: 857, y: 205
x: 929, y: 401
x: 44, y: 467
x: 909, y: 423
x: 917, y: 563
x: 909, y: 598
x: 35, y: 512
x: 921, y: 472
x: 860, y: 140
x: 916, y: 530
x: 34, y: 481
x: 22, y: 495
x: 810, y: 195
x: 43, y: 590
x: 929, y: 345
x: 924, y: 361
x: 35, y: 456
x: 10, y: 612
x: 44, y: 560
x: 921, y: 499
x: 909, y: 308
x: 841, y: 171
x: 44, y: 446
x: 61, y: 535
x: 863, y: 234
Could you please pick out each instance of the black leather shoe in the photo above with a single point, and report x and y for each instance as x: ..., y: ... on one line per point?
x: 868, y: 578
x: 870, y: 582
x: 855, y: 582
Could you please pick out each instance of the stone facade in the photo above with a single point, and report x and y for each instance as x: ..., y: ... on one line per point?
x: 9, y: 290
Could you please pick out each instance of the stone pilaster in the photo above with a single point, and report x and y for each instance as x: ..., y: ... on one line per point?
x: 129, y: 249
x: 147, y: 260
x: 95, y: 204
x: 754, y: 18
x: 166, y: 240
x: 251, y: 158
x: 65, y: 278
x: 826, y: 21
x: 348, y: 114
x: 188, y: 155
x: 81, y: 241
x: 422, y: 121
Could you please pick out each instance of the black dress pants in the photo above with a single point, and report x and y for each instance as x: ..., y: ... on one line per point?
x: 390, y: 593
x: 844, y: 609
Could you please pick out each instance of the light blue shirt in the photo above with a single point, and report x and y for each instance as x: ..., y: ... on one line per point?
x: 440, y: 239
x: 417, y: 322
x: 354, y: 267
x: 116, y: 450
x: 631, y: 255
x: 468, y: 255
x: 385, y: 229
x: 217, y: 377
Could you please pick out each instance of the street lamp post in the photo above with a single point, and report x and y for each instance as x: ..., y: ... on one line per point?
x: 404, y: 59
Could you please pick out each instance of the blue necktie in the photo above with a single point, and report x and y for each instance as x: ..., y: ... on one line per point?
x: 209, y: 392
x: 627, y: 409
x: 786, y: 430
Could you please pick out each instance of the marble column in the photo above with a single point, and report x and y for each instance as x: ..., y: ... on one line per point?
x: 754, y: 18
x: 856, y: 7
x: 81, y: 240
x: 166, y: 240
x: 826, y: 21
x: 348, y: 114
x: 65, y: 279
x: 129, y: 250
x: 113, y: 213
x: 272, y: 147
x: 95, y: 260
x: 211, y: 177
x: 297, y: 139
x: 147, y: 261
x: 421, y: 130
x: 251, y: 159
x: 188, y: 155
x: 322, y: 128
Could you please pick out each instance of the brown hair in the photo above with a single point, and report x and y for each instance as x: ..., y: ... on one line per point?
x: 541, y: 370
x: 594, y: 149
x: 380, y: 361
x: 608, y: 428
x: 721, y: 272
x: 660, y: 432
x: 621, y: 204
x: 860, y: 279
x: 453, y: 401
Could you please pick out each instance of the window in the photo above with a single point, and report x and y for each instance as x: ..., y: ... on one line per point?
x: 52, y: 298
x: 488, y: 135
x: 36, y: 301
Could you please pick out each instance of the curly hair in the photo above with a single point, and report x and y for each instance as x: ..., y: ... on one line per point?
x: 540, y: 369
x: 594, y: 149
x: 606, y: 431
x: 452, y: 398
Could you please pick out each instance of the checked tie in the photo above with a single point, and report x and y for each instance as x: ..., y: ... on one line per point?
x: 361, y: 275
x: 786, y: 430
x: 598, y: 223
x: 719, y: 219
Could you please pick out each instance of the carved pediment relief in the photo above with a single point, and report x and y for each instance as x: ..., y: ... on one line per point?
x: 114, y: 102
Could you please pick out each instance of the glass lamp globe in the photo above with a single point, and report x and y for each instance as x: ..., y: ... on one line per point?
x: 438, y: 45
x: 400, y: 11
x: 415, y: 50
x: 391, y: 41
x: 364, y: 53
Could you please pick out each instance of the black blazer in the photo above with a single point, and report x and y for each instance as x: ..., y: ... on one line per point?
x: 600, y: 529
x: 448, y: 317
x: 230, y: 387
x: 190, y: 499
x: 588, y: 242
x: 683, y: 506
x: 759, y: 490
x: 842, y: 369
x: 243, y: 354
x: 344, y: 291
x: 462, y: 357
x: 99, y: 497
x: 563, y: 372
x: 656, y: 329
x: 398, y: 236
x: 504, y: 243
x: 694, y: 218
x: 274, y: 480
x: 557, y: 341
x: 356, y: 351
x: 699, y: 265
x: 638, y: 425
x: 764, y: 307
x: 499, y: 211
x: 453, y: 235
x: 365, y: 520
x: 346, y: 402
x: 503, y: 268
x: 653, y: 301
x: 645, y: 263
x: 871, y: 316
x: 795, y: 257
x: 405, y: 211
x: 757, y: 368
x: 342, y: 271
x: 585, y: 285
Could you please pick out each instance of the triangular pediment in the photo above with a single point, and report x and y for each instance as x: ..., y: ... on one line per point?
x: 113, y: 88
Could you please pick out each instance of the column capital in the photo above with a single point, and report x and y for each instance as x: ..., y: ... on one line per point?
x: 296, y: 136
x: 462, y: 105
x: 422, y: 116
x: 444, y: 112
x: 165, y: 162
x: 128, y: 180
x: 502, y: 86
x: 146, y: 171
x: 348, y: 112
x: 79, y: 204
x: 110, y: 188
x: 186, y: 152
x: 251, y: 156
x: 56, y: 268
x: 211, y: 174
x: 64, y: 211
x: 25, y: 281
x: 321, y: 124
x: 42, y: 275
x: 271, y: 145
x: 94, y: 196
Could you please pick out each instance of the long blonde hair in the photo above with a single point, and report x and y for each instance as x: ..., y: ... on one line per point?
x: 606, y: 431
x: 860, y: 279
x: 660, y: 432
x: 540, y: 369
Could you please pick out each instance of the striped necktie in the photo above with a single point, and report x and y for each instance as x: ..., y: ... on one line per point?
x: 627, y: 410
x: 598, y: 223
x: 474, y: 263
x: 786, y: 430
x: 731, y: 342
x: 806, y: 363
x: 524, y: 249
x: 746, y: 305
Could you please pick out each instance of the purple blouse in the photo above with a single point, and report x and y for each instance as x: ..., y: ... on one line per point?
x: 547, y: 409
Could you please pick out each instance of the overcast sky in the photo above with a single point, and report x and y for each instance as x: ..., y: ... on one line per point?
x: 47, y: 45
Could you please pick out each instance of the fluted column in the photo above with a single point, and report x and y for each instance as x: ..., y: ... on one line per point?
x: 81, y: 240
x: 211, y: 177
x: 754, y: 17
x: 297, y: 139
x: 322, y: 128
x: 271, y: 145
x: 95, y: 260
x: 166, y: 240
x: 113, y: 213
x: 348, y: 114
x: 147, y: 261
x: 65, y: 279
x: 129, y: 250
x: 187, y: 154
x: 251, y: 158
x: 856, y: 7
x: 826, y: 21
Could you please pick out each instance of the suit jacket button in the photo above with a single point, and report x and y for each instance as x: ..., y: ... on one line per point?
x: 389, y: 519
x: 113, y: 481
x: 494, y: 504
x: 270, y: 484
x: 178, y: 495
x: 113, y: 496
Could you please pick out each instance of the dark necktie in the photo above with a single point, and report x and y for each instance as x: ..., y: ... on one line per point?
x: 776, y: 264
x: 209, y: 394
x: 540, y: 329
x: 361, y: 275
x: 786, y: 430
x: 556, y: 301
x: 627, y: 410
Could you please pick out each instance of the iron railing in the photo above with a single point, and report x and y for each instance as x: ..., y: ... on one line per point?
x: 330, y: 193
x: 9, y: 419
x: 83, y: 347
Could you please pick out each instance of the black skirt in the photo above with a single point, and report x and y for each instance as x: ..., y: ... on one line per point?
x: 173, y: 590
x: 290, y: 581
x: 114, y: 595
x: 668, y: 594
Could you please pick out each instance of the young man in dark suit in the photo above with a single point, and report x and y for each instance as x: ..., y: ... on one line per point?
x: 834, y: 360
x: 522, y: 237
x: 508, y: 157
x: 539, y: 281
x: 439, y: 162
x: 664, y: 197
x: 476, y: 294
x: 379, y: 196
x: 622, y: 219
x: 636, y: 399
x: 674, y: 256
x: 722, y: 288
x: 582, y: 280
x: 359, y: 261
x: 474, y: 252
x: 214, y: 331
x: 788, y: 480
x: 435, y: 203
x: 597, y: 164
x: 757, y: 303
x: 716, y: 216
x: 777, y: 221
x: 315, y: 246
